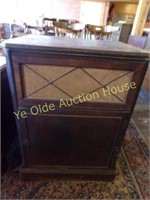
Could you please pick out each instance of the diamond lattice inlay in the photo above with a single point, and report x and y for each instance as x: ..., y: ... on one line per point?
x: 60, y: 82
x: 50, y: 73
x: 50, y: 92
x: 32, y: 81
x: 77, y: 82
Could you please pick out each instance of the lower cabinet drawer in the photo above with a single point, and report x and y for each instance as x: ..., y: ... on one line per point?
x: 72, y: 140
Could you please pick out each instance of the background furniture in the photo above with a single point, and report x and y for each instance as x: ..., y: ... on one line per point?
x: 107, y: 32
x: 92, y: 30
x: 123, y: 33
x: 138, y: 41
x: 1, y: 32
x: 69, y: 28
x: 77, y: 30
x: 6, y: 30
x: 75, y: 133
x: 61, y: 28
x: 144, y: 43
x: 48, y: 25
x: 147, y: 45
x: 18, y: 30
x: 34, y: 29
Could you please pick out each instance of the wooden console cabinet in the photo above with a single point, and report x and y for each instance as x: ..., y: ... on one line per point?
x: 73, y: 100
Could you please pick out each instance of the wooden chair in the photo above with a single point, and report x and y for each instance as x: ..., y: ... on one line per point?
x: 94, y: 31
x: 48, y: 25
x: 106, y: 33
x: 34, y: 29
x: 68, y: 28
x: 77, y: 30
x: 61, y: 28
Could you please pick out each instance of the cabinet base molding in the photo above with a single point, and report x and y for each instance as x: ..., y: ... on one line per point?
x: 68, y: 173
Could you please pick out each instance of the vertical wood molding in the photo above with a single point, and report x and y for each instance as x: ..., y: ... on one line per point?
x: 123, y: 1
x: 103, y: 14
x: 106, y: 10
x: 140, y: 17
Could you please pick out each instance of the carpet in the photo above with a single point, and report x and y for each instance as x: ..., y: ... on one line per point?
x: 131, y: 182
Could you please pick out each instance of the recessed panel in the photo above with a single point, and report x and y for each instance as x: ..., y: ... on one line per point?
x: 63, y: 82
x: 72, y: 141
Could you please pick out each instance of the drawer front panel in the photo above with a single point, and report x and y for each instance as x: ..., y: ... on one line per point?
x: 60, y: 82
x: 96, y: 83
x: 72, y: 141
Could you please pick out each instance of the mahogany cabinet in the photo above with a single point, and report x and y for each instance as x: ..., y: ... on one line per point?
x: 73, y: 100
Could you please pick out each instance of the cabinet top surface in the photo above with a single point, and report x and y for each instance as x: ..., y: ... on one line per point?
x: 60, y: 44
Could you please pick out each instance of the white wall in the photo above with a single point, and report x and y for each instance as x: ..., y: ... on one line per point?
x: 91, y: 12
x: 31, y: 11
